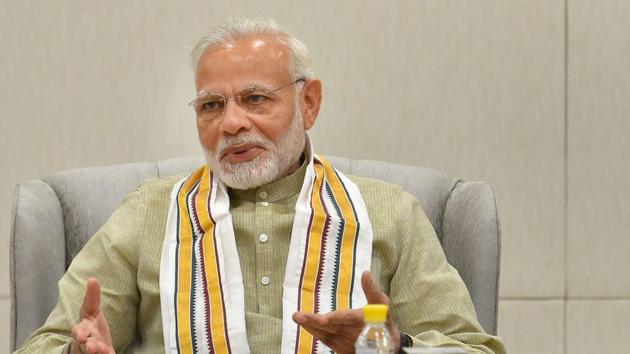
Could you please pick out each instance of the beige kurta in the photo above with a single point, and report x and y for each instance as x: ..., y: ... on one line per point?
x: 429, y: 300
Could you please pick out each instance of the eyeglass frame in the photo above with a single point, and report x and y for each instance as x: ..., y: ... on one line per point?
x: 236, y: 98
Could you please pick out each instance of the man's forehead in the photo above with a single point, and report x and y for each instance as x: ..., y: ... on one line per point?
x: 235, y: 63
x: 245, y: 52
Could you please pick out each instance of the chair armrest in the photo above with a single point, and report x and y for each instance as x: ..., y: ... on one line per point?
x: 35, y: 265
x: 471, y: 229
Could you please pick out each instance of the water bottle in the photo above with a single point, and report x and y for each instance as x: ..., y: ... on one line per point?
x: 374, y: 338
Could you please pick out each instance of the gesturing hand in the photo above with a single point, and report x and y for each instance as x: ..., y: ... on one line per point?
x: 340, y: 329
x: 91, y: 335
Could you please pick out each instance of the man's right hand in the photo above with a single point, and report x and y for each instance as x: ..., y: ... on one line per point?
x: 91, y: 335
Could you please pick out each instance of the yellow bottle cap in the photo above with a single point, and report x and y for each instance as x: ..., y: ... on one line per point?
x: 375, y: 313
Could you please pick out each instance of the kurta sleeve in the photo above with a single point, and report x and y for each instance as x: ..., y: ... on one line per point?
x: 430, y: 301
x: 111, y: 257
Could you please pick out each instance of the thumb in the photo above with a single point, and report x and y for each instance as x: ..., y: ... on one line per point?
x: 92, y: 300
x: 373, y: 294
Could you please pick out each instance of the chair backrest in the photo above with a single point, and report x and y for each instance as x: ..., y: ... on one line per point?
x: 55, y: 216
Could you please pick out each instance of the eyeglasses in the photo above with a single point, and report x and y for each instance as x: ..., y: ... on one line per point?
x: 255, y: 100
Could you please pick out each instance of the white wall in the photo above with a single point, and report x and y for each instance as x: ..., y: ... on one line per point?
x: 528, y: 95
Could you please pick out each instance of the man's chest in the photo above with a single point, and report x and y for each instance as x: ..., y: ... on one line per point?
x: 263, y: 234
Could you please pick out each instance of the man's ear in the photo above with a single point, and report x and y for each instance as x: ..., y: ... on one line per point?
x: 311, y: 100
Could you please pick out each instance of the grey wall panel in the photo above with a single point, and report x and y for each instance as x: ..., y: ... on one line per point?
x: 4, y: 325
x: 532, y: 326
x: 599, y: 145
x: 597, y: 326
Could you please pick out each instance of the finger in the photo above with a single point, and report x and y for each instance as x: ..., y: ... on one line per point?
x: 82, y: 348
x: 75, y: 347
x: 92, y: 300
x: 90, y: 346
x: 373, y: 294
x: 318, y: 333
x: 105, y: 349
x: 339, y: 342
x: 311, y: 319
x: 306, y: 321
x: 95, y: 346
x: 301, y: 317
x: 337, y: 324
x: 82, y: 330
x: 79, y: 334
x: 350, y: 318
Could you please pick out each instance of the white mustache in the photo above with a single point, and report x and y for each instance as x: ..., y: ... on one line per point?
x: 225, y: 144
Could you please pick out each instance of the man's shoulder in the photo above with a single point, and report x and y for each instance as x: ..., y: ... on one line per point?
x: 157, y: 189
x: 378, y: 193
x: 385, y: 199
x: 373, y: 185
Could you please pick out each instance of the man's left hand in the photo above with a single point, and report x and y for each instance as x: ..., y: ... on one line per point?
x: 340, y: 329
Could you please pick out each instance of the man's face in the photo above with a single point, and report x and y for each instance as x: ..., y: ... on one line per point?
x: 246, y: 149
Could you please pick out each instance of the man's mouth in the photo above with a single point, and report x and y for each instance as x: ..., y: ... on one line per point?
x: 241, y: 153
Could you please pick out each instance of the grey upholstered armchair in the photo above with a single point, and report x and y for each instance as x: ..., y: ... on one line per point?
x: 53, y: 218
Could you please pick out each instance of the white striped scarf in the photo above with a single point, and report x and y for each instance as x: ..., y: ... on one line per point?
x: 201, y: 284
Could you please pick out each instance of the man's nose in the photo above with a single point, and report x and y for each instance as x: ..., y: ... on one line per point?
x: 235, y: 118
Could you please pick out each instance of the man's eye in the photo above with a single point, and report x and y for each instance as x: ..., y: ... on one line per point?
x: 254, y: 99
x: 209, y: 106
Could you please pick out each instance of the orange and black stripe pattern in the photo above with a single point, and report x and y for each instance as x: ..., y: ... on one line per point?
x: 200, y: 306
x: 328, y: 268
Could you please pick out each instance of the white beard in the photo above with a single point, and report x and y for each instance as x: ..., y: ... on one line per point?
x: 272, y: 164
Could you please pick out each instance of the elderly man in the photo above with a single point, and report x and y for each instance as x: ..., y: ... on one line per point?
x: 268, y: 248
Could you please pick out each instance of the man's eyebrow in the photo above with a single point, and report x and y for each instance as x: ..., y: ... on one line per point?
x: 257, y: 86
x: 250, y: 87
x: 206, y: 93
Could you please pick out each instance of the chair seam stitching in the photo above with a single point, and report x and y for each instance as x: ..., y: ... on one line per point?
x: 455, y: 185
x: 13, y: 296
x: 498, y: 243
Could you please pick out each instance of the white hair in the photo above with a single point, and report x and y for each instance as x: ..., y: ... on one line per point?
x: 300, y: 65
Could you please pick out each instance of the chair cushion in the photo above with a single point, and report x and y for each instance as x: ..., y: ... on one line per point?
x: 37, y: 253
x: 88, y: 197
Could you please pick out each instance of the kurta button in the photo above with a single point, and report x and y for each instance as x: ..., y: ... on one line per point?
x: 264, y: 281
x: 264, y: 204
x: 263, y: 238
x: 262, y: 195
